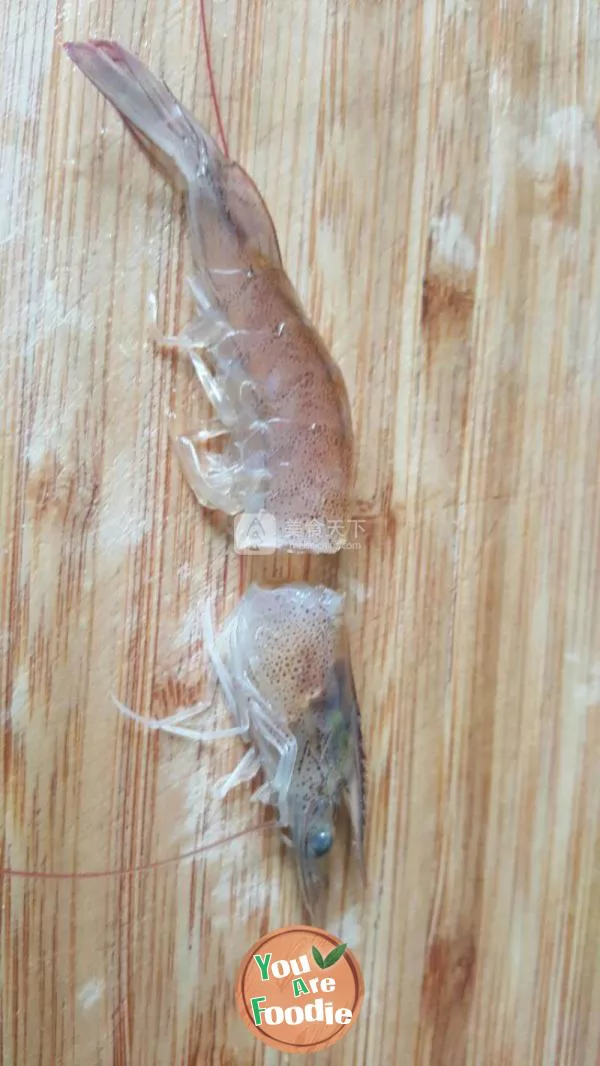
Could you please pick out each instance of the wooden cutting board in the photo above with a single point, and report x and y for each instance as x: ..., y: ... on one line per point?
x: 433, y: 169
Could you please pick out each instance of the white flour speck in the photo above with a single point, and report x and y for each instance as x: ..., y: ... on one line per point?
x: 122, y: 523
x: 251, y: 894
x: 91, y: 993
x: 192, y: 628
x: 351, y: 929
x: 452, y: 243
x: 16, y: 715
x: 566, y: 136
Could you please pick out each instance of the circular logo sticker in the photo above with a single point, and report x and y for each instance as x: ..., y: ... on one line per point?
x: 299, y: 989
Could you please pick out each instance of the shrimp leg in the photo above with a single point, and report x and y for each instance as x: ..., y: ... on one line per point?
x: 212, y: 483
x: 208, y: 430
x: 173, y: 723
x: 215, y: 484
x: 282, y: 746
x: 275, y: 792
x: 168, y: 724
x: 213, y: 488
x: 198, y: 336
x: 248, y: 707
x: 283, y: 741
x: 247, y: 768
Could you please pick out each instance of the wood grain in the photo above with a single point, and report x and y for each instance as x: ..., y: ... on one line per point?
x: 433, y: 169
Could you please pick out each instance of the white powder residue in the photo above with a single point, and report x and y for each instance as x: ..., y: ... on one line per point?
x: 197, y: 796
x: 452, y: 243
x: 566, y: 136
x: 588, y: 693
x: 12, y: 173
x: 351, y: 929
x: 452, y: 8
x: 91, y: 993
x: 502, y: 146
x: 192, y: 628
x: 38, y: 448
x: 25, y: 69
x: 240, y: 899
x: 16, y: 715
x: 358, y: 591
x: 122, y: 523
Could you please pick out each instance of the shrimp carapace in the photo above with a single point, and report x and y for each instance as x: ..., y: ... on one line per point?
x: 281, y: 407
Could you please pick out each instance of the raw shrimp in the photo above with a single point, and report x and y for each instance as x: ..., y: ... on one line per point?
x: 282, y: 660
x: 280, y: 401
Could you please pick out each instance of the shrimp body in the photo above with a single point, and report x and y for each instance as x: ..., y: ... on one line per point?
x: 281, y: 406
x: 283, y: 661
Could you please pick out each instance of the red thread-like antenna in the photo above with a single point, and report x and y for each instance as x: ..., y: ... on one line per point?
x: 211, y: 77
x: 88, y: 875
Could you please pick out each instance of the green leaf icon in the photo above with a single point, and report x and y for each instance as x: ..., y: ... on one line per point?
x: 316, y: 954
x: 334, y: 955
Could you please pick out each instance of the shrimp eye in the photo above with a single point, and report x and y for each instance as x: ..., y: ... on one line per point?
x: 319, y: 841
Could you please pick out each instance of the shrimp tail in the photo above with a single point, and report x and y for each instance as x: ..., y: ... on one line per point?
x: 160, y: 124
x: 231, y: 227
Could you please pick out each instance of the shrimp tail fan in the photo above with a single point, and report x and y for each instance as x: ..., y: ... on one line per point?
x: 230, y: 223
x: 170, y: 135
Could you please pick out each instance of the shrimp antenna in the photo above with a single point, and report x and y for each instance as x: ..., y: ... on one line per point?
x: 211, y: 77
x: 88, y: 875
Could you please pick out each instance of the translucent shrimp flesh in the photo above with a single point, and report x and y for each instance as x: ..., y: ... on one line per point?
x: 282, y: 660
x: 282, y: 415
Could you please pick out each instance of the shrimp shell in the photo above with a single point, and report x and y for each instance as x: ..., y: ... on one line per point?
x: 282, y: 661
x: 282, y: 410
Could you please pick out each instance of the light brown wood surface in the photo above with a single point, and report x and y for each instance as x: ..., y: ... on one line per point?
x: 433, y: 169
